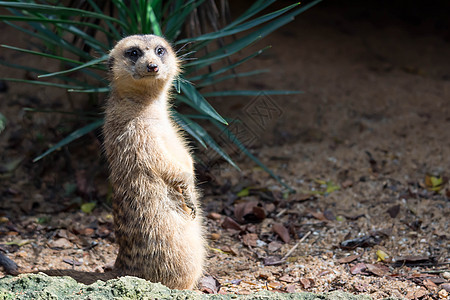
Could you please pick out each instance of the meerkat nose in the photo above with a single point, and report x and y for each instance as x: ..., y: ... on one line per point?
x: 152, y: 68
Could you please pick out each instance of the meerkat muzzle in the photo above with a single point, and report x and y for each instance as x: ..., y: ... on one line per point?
x: 152, y: 68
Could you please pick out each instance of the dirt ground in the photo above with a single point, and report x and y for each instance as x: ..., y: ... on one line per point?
x: 366, y: 148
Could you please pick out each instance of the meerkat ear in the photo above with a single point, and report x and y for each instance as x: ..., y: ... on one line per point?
x: 110, y: 63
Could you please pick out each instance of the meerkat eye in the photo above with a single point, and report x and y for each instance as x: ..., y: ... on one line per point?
x: 160, y: 51
x: 133, y: 53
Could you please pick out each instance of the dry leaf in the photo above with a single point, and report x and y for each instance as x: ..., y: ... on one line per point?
x: 250, y: 239
x: 242, y: 209
x: 230, y: 250
x: 72, y: 262
x: 87, y: 231
x: 300, y: 197
x: 61, y: 243
x: 378, y: 270
x: 249, y: 212
x: 291, y: 288
x: 273, y: 261
x: 393, y: 211
x: 274, y: 246
x: 287, y: 278
x: 282, y: 232
x: 416, y: 294
x: 209, y: 285
x: 229, y: 223
x: 358, y: 268
x: 263, y: 274
x: 305, y: 282
x: 348, y: 259
x: 319, y: 216
x: 429, y: 284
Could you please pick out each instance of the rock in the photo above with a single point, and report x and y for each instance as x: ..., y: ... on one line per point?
x: 40, y: 286
x: 60, y: 243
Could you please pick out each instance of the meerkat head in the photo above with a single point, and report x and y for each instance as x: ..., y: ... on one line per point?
x: 145, y: 63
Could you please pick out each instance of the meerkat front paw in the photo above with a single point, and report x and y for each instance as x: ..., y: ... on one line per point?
x: 186, y: 202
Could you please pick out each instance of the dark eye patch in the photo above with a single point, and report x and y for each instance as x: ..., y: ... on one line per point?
x: 133, y: 53
x: 160, y: 51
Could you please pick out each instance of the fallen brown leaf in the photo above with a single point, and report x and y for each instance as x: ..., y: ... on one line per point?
x: 282, y: 232
x: 393, y: 211
x: 291, y: 288
x: 230, y: 250
x: 416, y: 294
x: 378, y: 270
x: 60, y: 243
x: 429, y: 284
x: 305, y: 282
x: 358, y: 268
x: 273, y: 261
x: 209, y: 285
x: 72, y: 262
x: 348, y: 259
x: 242, y: 209
x: 287, y: 278
x: 229, y: 223
x: 319, y: 215
x: 274, y: 246
x: 250, y: 239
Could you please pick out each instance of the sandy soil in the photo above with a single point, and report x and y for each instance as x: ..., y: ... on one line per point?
x: 366, y: 147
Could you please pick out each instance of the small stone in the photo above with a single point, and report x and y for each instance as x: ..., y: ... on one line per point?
x: 214, y: 236
x: 264, y: 274
x: 61, y: 243
x: 443, y: 294
x: 214, y: 216
x: 446, y: 275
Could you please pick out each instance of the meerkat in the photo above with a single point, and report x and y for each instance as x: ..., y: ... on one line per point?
x: 157, y: 218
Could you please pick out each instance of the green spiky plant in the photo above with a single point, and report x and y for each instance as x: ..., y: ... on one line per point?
x: 89, y: 33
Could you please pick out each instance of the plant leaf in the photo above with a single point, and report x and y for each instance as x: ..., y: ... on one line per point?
x: 85, y: 65
x: 71, y: 137
x: 199, y: 102
x: 59, y: 10
x: 195, y: 130
x: 230, y: 31
x: 63, y: 86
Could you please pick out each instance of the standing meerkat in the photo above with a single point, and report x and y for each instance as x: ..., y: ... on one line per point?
x: 158, y: 223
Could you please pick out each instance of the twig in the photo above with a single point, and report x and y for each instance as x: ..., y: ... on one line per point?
x: 296, y: 245
x: 280, y: 213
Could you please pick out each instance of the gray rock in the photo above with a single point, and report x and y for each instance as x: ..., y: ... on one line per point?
x: 41, y: 286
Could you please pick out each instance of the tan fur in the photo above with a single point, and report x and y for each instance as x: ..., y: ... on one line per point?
x: 156, y: 214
